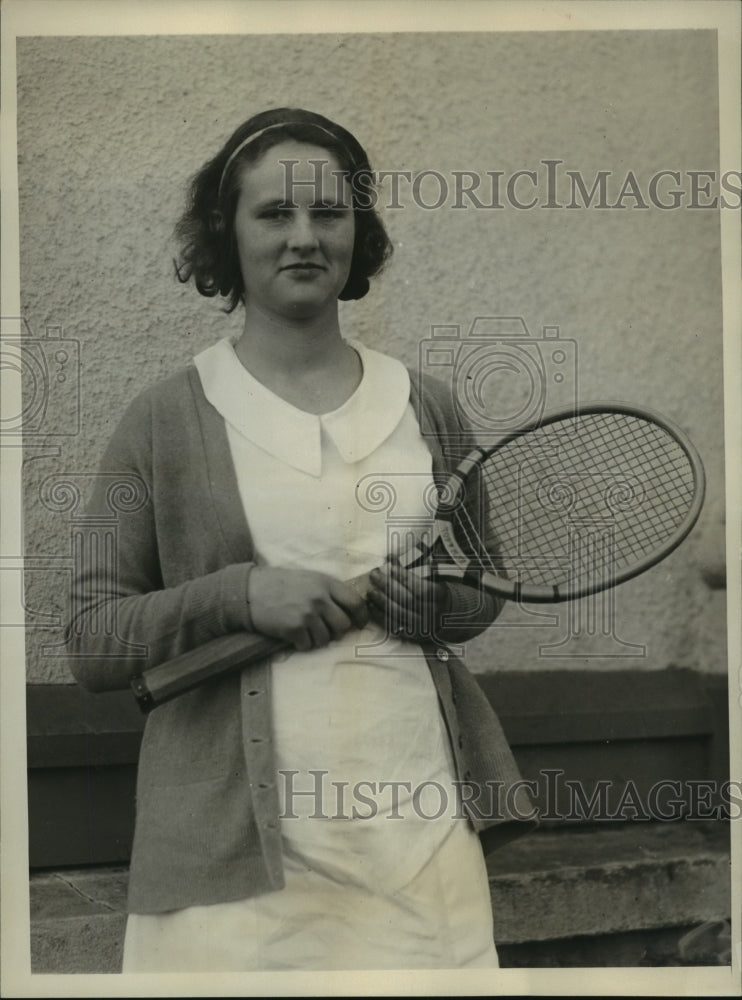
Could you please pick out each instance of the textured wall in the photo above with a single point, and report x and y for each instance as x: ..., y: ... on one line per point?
x: 111, y: 128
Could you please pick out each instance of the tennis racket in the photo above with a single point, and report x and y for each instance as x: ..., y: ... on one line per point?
x: 572, y: 504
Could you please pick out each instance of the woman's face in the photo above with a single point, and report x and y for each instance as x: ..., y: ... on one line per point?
x: 295, y: 231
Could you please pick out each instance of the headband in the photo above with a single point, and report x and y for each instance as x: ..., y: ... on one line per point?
x: 256, y: 135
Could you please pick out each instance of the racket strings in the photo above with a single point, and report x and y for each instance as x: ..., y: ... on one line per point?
x: 584, y: 498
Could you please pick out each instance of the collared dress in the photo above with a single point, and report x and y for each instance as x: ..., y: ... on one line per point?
x: 382, y: 868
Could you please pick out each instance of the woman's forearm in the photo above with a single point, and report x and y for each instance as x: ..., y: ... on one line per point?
x: 470, y: 611
x: 121, y: 633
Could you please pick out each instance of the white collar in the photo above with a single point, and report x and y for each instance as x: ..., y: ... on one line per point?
x: 356, y: 428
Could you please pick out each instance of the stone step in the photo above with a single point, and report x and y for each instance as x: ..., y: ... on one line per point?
x: 610, y: 879
x: 552, y: 892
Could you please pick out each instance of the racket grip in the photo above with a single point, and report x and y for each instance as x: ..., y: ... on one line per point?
x: 167, y: 680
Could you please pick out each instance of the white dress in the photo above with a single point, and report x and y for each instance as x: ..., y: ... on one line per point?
x: 381, y: 869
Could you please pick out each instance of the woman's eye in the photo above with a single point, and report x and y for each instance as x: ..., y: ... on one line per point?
x: 273, y: 213
x: 330, y: 212
x: 324, y: 213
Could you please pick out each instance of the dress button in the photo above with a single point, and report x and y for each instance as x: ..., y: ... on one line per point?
x: 442, y: 655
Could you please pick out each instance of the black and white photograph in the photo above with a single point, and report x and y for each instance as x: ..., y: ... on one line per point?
x: 371, y: 511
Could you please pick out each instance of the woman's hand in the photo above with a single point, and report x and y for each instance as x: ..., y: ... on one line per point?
x: 304, y: 608
x: 406, y: 604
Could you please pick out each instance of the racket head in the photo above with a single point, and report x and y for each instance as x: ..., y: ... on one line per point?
x: 574, y: 503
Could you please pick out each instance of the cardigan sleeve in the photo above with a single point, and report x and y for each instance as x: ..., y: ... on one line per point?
x: 471, y: 609
x: 123, y: 617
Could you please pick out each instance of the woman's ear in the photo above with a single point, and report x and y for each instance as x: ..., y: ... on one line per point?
x: 216, y: 221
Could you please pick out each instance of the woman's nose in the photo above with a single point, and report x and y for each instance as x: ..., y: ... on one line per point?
x: 302, y: 235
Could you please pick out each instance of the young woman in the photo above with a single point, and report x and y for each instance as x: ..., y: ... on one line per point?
x: 305, y: 812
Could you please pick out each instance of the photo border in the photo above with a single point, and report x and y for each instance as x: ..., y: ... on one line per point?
x: 69, y: 17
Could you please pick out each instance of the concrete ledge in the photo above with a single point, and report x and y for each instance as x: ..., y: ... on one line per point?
x: 78, y: 918
x: 563, y: 883
x: 611, y: 895
x: 633, y: 949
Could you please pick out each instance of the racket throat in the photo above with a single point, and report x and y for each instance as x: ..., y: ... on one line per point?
x: 419, y: 557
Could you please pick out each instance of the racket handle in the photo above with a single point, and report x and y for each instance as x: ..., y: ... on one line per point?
x: 167, y: 680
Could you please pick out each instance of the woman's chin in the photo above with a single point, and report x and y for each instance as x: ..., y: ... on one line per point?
x: 308, y: 306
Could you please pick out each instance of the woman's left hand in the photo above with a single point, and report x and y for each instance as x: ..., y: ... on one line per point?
x: 406, y: 604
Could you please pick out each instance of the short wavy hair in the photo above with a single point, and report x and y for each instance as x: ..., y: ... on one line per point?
x: 205, y: 231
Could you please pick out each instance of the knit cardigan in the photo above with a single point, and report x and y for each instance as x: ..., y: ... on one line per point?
x: 207, y: 825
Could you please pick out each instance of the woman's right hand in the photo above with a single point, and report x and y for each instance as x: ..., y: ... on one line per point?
x: 302, y: 607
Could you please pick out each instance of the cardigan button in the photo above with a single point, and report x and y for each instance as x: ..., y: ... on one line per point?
x: 442, y: 655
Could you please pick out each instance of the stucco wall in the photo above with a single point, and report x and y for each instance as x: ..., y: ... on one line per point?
x: 111, y: 128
